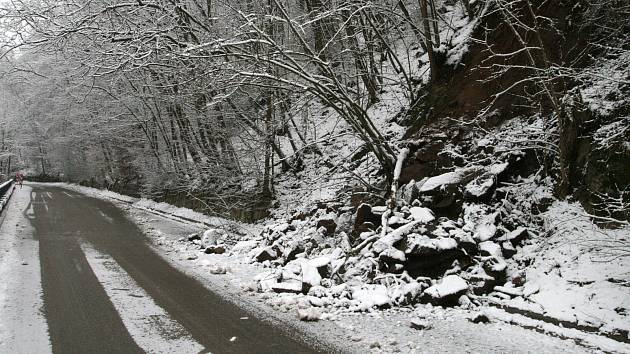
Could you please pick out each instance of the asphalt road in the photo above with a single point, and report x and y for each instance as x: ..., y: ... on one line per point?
x: 81, y: 317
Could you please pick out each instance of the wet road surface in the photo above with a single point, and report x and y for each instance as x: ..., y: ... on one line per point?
x: 81, y: 317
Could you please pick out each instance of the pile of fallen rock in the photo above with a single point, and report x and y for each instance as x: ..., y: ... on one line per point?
x: 450, y: 240
x: 376, y: 256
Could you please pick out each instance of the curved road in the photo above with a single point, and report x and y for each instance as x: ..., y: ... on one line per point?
x: 77, y: 304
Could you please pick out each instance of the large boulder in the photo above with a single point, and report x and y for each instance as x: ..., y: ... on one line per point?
x: 430, y: 257
x: 444, y: 193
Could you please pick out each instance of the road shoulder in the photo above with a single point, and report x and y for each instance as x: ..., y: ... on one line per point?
x: 23, y: 328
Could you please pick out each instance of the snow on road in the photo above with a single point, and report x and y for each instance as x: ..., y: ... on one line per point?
x: 23, y: 328
x: 149, y: 324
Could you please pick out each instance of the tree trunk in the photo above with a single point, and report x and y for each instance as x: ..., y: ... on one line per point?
x: 266, y: 185
x: 426, y: 21
x: 369, y: 81
x: 570, y: 129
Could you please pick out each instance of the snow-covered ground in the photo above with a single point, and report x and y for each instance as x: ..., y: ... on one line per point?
x: 232, y: 274
x: 23, y: 328
x: 581, y: 271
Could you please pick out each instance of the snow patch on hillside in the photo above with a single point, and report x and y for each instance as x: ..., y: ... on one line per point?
x: 581, y: 271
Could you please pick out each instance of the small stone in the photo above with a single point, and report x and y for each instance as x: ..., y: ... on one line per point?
x: 217, y: 269
x: 218, y: 249
x: 479, y: 318
x: 193, y: 237
x: 375, y: 345
x: 192, y: 257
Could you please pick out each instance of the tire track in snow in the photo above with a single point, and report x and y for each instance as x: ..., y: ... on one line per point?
x: 149, y: 325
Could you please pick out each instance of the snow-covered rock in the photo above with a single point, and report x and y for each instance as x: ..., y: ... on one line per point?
x: 509, y: 290
x: 309, y: 314
x: 267, y: 279
x: 287, y: 287
x: 495, y: 265
x: 244, y: 246
x: 508, y: 249
x: 489, y: 248
x: 480, y: 221
x: 369, y: 296
x: 266, y: 254
x: 515, y: 236
x: 530, y: 289
x: 481, y: 186
x: 392, y: 254
x: 448, y: 290
x: 310, y: 274
x: 420, y: 324
x: 211, y: 237
x: 218, y: 269
x: 422, y: 215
